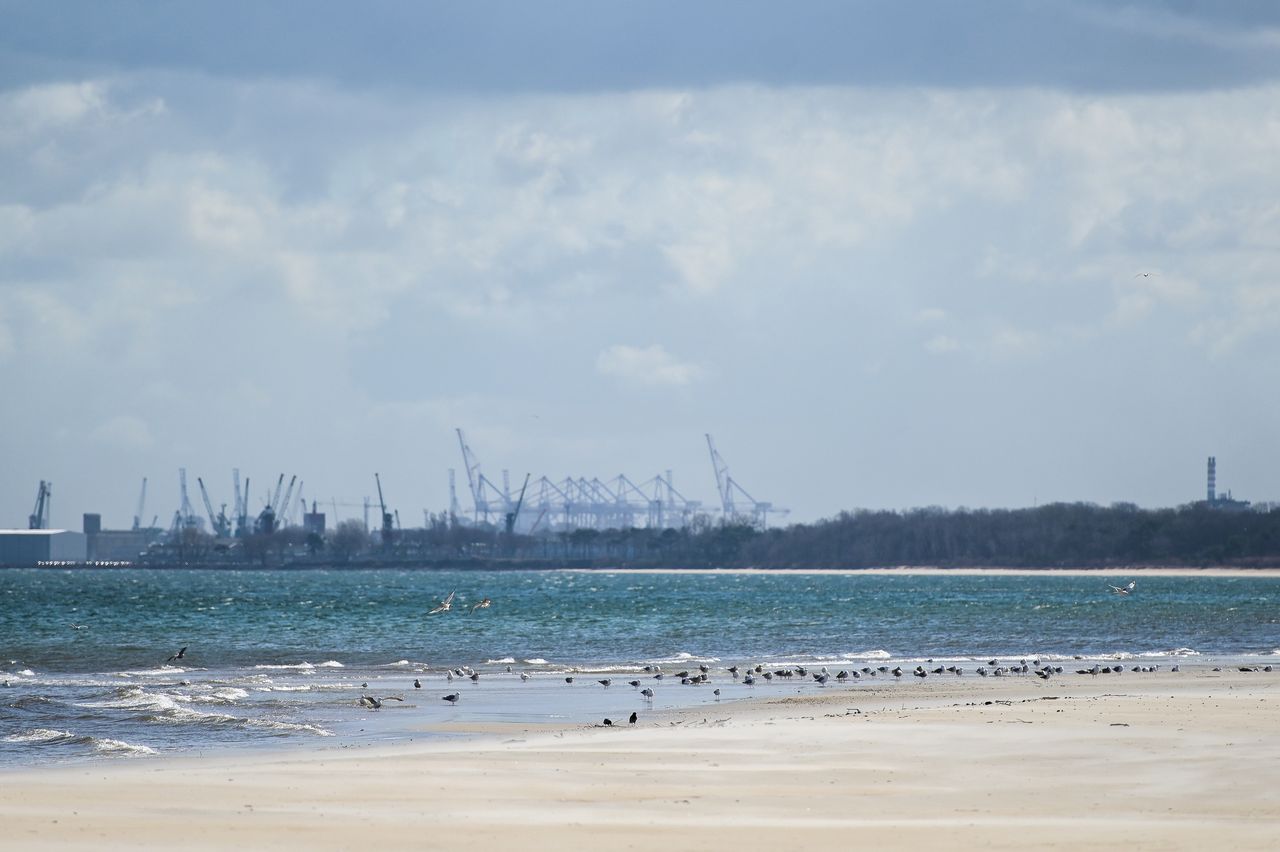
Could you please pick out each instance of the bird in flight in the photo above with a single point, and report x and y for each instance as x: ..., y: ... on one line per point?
x: 445, y: 605
x: 177, y: 656
x: 376, y: 703
x: 1143, y: 274
x: 1123, y: 590
x: 484, y: 604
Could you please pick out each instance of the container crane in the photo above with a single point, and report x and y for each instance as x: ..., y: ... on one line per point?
x: 39, y: 518
x: 282, y: 508
x: 514, y: 515
x: 217, y: 523
x: 387, y: 520
x: 142, y: 502
x: 187, y: 514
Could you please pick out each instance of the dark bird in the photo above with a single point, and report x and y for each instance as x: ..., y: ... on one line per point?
x: 376, y: 703
x: 608, y: 723
x: 632, y: 720
x: 475, y: 677
x: 647, y: 692
x: 417, y: 684
x: 179, y: 655
x: 452, y: 698
x: 569, y: 679
x: 605, y: 682
x: 634, y: 683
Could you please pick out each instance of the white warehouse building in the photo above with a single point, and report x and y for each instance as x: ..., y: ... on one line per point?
x: 29, y: 547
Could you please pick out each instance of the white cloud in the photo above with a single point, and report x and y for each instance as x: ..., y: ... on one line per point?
x: 647, y: 365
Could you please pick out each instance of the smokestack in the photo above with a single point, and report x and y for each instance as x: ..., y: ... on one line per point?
x: 1213, y: 478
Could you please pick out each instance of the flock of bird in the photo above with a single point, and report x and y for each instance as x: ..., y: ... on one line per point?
x: 750, y: 675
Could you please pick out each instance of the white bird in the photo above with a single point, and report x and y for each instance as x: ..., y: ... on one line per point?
x: 1143, y: 274
x: 445, y: 605
x: 1117, y: 590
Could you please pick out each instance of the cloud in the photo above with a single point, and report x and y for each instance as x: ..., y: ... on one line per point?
x: 647, y: 365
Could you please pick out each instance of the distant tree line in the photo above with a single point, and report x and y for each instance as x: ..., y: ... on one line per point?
x: 1058, y: 534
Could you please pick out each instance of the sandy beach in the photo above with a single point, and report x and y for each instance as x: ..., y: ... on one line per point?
x: 1187, y: 760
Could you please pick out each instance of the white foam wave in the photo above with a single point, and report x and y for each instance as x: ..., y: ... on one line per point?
x: 683, y: 657
x: 331, y: 664
x: 287, y: 667
x: 1175, y: 652
x: 285, y: 689
x: 222, y: 696
x: 275, y: 725
x: 877, y: 654
x: 501, y: 662
x: 538, y: 661
x: 110, y: 746
x: 39, y: 735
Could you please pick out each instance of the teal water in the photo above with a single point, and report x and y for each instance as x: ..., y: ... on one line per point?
x: 281, y: 655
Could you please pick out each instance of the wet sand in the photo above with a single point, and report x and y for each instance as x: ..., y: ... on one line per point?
x: 1187, y: 760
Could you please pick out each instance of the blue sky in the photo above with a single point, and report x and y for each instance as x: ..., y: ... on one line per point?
x: 888, y: 255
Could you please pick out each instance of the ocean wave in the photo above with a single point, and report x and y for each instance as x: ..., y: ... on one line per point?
x: 39, y: 735
x: 878, y: 654
x: 285, y: 688
x: 398, y: 664
x: 538, y: 661
x: 159, y: 671
x: 330, y: 664
x: 103, y: 745
x: 286, y: 666
x: 1175, y: 652
x: 227, y: 695
x: 505, y: 661
x: 681, y: 658
x: 275, y: 725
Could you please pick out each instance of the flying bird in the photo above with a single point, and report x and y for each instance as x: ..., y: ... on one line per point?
x: 445, y: 605
x: 376, y: 703
x: 484, y: 604
x: 178, y: 656
x: 1118, y: 590
x: 1143, y: 274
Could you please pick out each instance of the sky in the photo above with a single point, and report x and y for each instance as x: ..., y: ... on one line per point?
x: 888, y: 255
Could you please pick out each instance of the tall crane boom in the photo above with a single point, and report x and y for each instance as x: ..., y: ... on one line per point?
x: 185, y: 511
x: 283, y: 508
x: 275, y: 498
x: 142, y: 502
x: 514, y: 515
x: 40, y: 517
x: 208, y: 507
x: 387, y: 520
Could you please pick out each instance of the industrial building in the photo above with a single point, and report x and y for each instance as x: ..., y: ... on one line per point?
x: 1222, y: 502
x: 31, y: 547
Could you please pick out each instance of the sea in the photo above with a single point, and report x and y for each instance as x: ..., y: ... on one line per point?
x: 281, y: 659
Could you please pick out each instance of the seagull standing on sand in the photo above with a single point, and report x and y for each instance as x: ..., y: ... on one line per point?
x: 444, y: 605
x: 452, y: 698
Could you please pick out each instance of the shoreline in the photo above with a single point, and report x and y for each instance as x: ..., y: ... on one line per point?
x: 1168, y: 760
x: 934, y: 571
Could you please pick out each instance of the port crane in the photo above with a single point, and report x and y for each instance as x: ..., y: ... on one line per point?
x: 387, y: 530
x: 142, y: 502
x: 218, y: 523
x: 39, y: 519
x: 514, y: 514
x: 730, y: 491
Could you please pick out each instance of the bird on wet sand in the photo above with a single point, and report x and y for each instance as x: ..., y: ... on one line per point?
x: 376, y: 703
x: 452, y: 698
x: 605, y: 682
x: 524, y: 676
x: 417, y: 684
x: 647, y: 692
x: 569, y: 679
x: 178, y: 656
x: 608, y: 723
x: 632, y: 720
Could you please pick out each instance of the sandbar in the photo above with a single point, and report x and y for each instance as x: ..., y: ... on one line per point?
x: 1187, y: 760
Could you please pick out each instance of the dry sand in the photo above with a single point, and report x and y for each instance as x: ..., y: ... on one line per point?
x: 1186, y: 760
